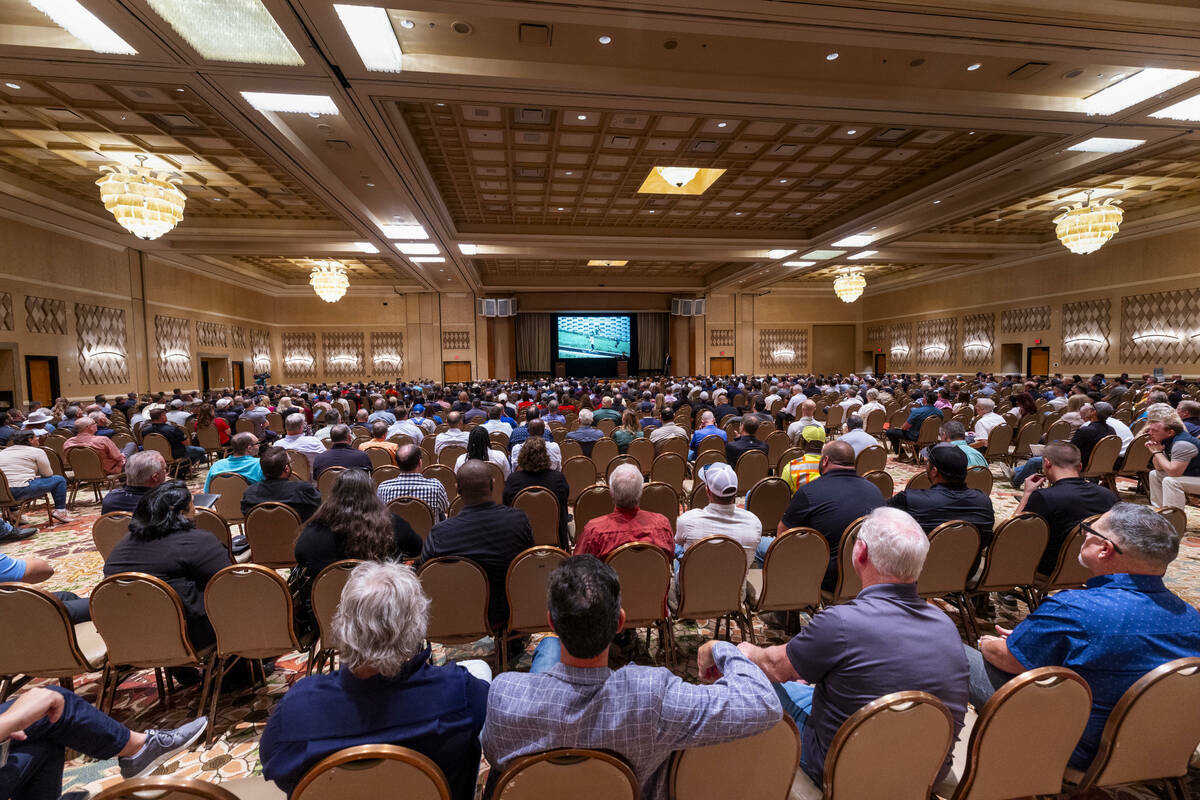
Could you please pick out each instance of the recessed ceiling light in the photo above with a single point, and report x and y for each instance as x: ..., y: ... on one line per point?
x: 831, y: 57
x: 569, y: 172
x: 974, y: 67
x: 581, y: 116
x: 407, y: 24
x: 468, y: 249
x: 798, y: 263
x: 428, y: 260
x: 722, y: 124
x: 560, y: 208
x: 370, y: 30
x: 1102, y: 144
x: 779, y: 253
x: 83, y: 25
x: 936, y: 202
x: 851, y: 132
x: 365, y: 247
x: 783, y: 180
x: 230, y: 30
x: 605, y: 262
x: 13, y: 85
x: 440, y: 105
x: 370, y: 186
x: 737, y: 213
x: 857, y: 240
x: 1136, y: 88
x: 970, y: 133
x: 605, y: 39
x: 292, y: 103
x: 418, y: 248
x: 1187, y: 110
x: 404, y: 231
x: 651, y: 211
x: 862, y: 254
x: 821, y: 255
x: 441, y: 270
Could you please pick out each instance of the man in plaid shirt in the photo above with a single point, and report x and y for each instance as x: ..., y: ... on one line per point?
x: 570, y: 698
x: 411, y: 483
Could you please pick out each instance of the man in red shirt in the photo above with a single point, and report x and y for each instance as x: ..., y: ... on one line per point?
x: 627, y: 523
x: 111, y: 459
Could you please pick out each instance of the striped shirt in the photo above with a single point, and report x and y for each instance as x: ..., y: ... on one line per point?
x: 412, y: 484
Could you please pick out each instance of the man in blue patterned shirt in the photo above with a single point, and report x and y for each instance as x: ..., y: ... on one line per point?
x: 570, y: 698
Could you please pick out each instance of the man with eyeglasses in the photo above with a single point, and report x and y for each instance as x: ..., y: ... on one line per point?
x: 243, y: 461
x: 1124, y: 624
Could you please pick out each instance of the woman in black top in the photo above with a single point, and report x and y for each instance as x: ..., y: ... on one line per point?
x: 163, y: 542
x: 353, y: 523
x: 533, y: 469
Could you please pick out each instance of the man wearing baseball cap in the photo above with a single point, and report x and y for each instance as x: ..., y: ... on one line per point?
x: 721, y: 517
x: 806, y: 469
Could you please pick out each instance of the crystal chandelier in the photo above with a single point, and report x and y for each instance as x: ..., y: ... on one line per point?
x: 678, y: 176
x: 849, y: 285
x: 329, y: 280
x: 1086, y: 226
x: 785, y: 354
x: 146, y: 203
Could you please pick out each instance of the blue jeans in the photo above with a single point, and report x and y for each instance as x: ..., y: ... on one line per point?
x: 195, y: 454
x: 1031, y: 467
x: 35, y: 766
x: 985, y: 679
x: 55, y: 485
x: 760, y: 552
x: 797, y: 701
x: 546, y: 655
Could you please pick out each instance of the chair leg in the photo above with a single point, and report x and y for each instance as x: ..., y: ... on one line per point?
x: 108, y: 688
x: 501, y: 650
x: 222, y: 665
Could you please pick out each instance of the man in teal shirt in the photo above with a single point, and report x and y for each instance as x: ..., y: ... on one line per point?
x: 954, y: 433
x: 244, y: 460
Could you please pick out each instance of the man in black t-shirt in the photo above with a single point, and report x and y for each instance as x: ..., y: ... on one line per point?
x: 277, y: 486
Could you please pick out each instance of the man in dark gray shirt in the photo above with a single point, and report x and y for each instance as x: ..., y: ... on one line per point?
x: 885, y: 640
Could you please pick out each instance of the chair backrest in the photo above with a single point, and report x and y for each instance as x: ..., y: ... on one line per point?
x: 1033, y: 721
x: 267, y: 631
x: 498, y: 440
x: 767, y: 500
x: 1059, y: 431
x: 918, y: 481
x: 979, y: 478
x: 275, y: 421
x: 1068, y: 572
x: 870, y: 459
x: 457, y: 589
x: 159, y: 444
x: 209, y: 520
x: 706, y: 458
x: 230, y: 486
x: 892, y: 747
x: 999, y: 438
x: 450, y: 453
x: 567, y: 448
x: 883, y: 482
x: 662, y: 499
x: 751, y: 468
x: 55, y: 459
x: 577, y: 774
x: 142, y: 622
x: 85, y: 463
x: 38, y: 620
x: 243, y: 425
x: 380, y: 457
x: 791, y: 454
x: 873, y: 422
x: 1028, y: 433
x: 848, y: 583
x: 643, y: 450
x: 381, y: 474
x: 327, y: 478
x: 603, y: 451
x: 327, y: 593
x: 1176, y: 516
x: 777, y: 441
x: 711, y: 442
x: 594, y: 501
x: 673, y: 444
x: 541, y: 506
x: 1104, y: 456
x: 645, y: 574
x: 526, y: 582
x: 1152, y: 730
x: 953, y: 550
x: 1137, y: 455
x: 763, y: 766
x: 443, y: 475
x: 1012, y: 558
x: 415, y: 512
x: 792, y: 571
x: 108, y: 530
x: 165, y: 787
x: 271, y: 531
x: 699, y: 496
x: 617, y: 461
x: 606, y: 426
x: 927, y: 436
x: 372, y: 771
x: 712, y: 574
x: 580, y: 473
x: 301, y: 468
x: 671, y: 469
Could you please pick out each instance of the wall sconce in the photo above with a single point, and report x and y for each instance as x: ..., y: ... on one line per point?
x: 1084, y: 340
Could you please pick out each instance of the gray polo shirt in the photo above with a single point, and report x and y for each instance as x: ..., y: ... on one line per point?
x: 885, y: 640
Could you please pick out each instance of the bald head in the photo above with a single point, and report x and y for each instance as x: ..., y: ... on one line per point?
x: 840, y: 455
x: 474, y: 481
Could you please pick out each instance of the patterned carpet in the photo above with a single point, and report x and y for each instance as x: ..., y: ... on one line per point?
x: 242, y: 715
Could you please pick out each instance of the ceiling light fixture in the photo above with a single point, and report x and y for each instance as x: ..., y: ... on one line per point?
x: 779, y: 253
x: 292, y: 103
x: 798, y: 263
x: 831, y: 57
x: 407, y: 24
x: 679, y: 180
x: 83, y: 25
x: 1085, y: 227
x: 857, y: 240
x: 1187, y: 110
x: 605, y: 39
x: 1136, y: 88
x: 418, y: 248
x: 974, y: 67
x: 370, y: 30
x: 785, y: 354
x: 862, y: 254
x: 677, y: 176
x: 229, y: 30
x: 1101, y: 144
x: 329, y: 280
x: 849, y: 285
x: 604, y: 262
x: 719, y: 124
x: 428, y: 260
x: 852, y: 131
x: 18, y: 86
x: 581, y: 117
x: 468, y: 249
x: 145, y: 202
x: 404, y: 231
x: 365, y: 247
x: 822, y: 255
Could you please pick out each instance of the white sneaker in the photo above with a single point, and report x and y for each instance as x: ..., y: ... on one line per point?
x: 62, y: 516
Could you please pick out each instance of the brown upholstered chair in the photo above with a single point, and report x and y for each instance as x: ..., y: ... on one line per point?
x: 1102, y: 461
x: 209, y: 520
x: 711, y: 442
x: 50, y: 646
x: 449, y: 454
x: 883, y: 482
x: 1176, y: 516
x: 327, y: 478
x: 209, y: 438
x: 790, y: 578
x: 979, y: 478
x: 670, y: 468
x: 873, y: 422
x: 230, y: 486
x: 777, y: 443
x: 871, y: 459
x: 85, y: 464
x: 108, y: 530
x: 617, y: 461
x: 1068, y: 572
x: 165, y: 787
x: 580, y: 473
x: 953, y: 551
x: 918, y: 481
x: 848, y: 583
x: 381, y: 474
x: 325, y: 598
x: 705, y: 458
x: 998, y: 441
x: 443, y: 475
x: 541, y: 506
x: 373, y: 771
x: 712, y: 576
x: 661, y: 499
x: 927, y: 436
x: 577, y: 774
x: 457, y: 589
x: 271, y: 531
x: 751, y: 468
x: 643, y: 450
x: 568, y: 448
x: 415, y: 512
x: 526, y: 585
x: 765, y: 765
x: 1012, y: 557
x: 645, y: 574
x: 699, y: 496
x: 159, y: 444
x: 594, y: 501
x: 603, y: 451
x: 767, y: 500
x: 673, y: 444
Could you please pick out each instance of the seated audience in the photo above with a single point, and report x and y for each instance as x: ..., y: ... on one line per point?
x: 406, y: 427
x: 341, y: 453
x: 949, y: 498
x: 986, y: 419
x: 381, y: 414
x: 721, y: 517
x: 954, y: 433
x: 708, y: 427
x: 627, y: 522
x: 537, y: 429
x: 112, y: 460
x: 667, y: 430
x: 911, y: 429
x: 1189, y: 412
x: 309, y: 446
x: 807, y: 409
x: 454, y: 434
x: 176, y: 438
x: 205, y: 416
x: 606, y: 411
x: 855, y: 436
x: 804, y: 469
x: 1174, y: 460
x: 143, y: 472
x: 479, y: 448
x: 243, y: 459
x: 411, y: 483
x: 534, y: 467
x: 746, y: 440
x: 586, y: 434
x: 277, y: 486
x: 630, y: 429
x: 379, y: 440
x: 332, y: 417
x: 496, y: 425
x: 26, y: 467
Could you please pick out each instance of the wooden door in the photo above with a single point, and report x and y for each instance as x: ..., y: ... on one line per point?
x: 1038, y: 362
x: 42, y: 375
x: 239, y: 375
x: 204, y: 377
x: 456, y: 371
x: 880, y: 363
x: 720, y: 366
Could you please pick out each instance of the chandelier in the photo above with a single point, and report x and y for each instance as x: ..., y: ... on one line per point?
x: 146, y: 203
x: 849, y: 285
x: 678, y: 176
x: 784, y: 354
x: 1085, y: 227
x: 329, y: 280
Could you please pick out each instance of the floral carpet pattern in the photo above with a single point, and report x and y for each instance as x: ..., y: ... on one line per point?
x: 242, y: 714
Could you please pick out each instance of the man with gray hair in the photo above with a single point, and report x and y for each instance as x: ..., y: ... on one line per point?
x: 627, y: 523
x: 297, y: 440
x: 887, y: 639
x: 1122, y: 625
x: 143, y: 471
x: 386, y: 692
x: 985, y: 407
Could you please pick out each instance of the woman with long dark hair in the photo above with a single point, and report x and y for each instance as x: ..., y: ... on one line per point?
x: 1022, y: 404
x: 479, y: 447
x: 352, y: 522
x: 206, y: 416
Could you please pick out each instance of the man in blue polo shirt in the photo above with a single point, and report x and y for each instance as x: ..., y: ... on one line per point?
x: 708, y: 427
x: 1124, y: 624
x: 911, y: 429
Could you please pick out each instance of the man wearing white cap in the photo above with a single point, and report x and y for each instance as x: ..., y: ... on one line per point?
x: 721, y: 517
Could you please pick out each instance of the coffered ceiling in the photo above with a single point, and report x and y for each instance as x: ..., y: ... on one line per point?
x: 507, y: 147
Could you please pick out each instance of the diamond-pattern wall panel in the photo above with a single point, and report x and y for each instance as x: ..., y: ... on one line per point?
x: 299, y: 354
x: 45, y: 315
x: 1085, y: 332
x: 979, y: 340
x: 1020, y: 320
x: 937, y: 342
x: 1161, y: 328
x: 6, y: 315
x: 260, y: 349
x: 900, y: 345
x: 456, y: 340
x: 174, y: 338
x: 720, y: 337
x: 783, y: 348
x: 237, y: 336
x: 212, y: 334
x: 100, y: 335
x: 387, y: 351
x: 877, y: 333
x: 343, y: 353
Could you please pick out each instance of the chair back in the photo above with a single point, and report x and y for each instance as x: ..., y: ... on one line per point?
x: 661, y: 499
x: 1028, y: 433
x: 445, y: 476
x: 372, y: 771
x: 713, y: 443
x: 108, y: 530
x: 381, y: 474
x: 776, y: 441
x: 1068, y: 572
x: 159, y: 444
x: 998, y: 441
x: 209, y: 438
x: 673, y: 444
x: 594, y: 501
x: 870, y: 459
x: 142, y: 622
x: 1104, y: 456
x: 767, y: 500
x: 498, y: 440
x: 603, y: 451
x: 792, y: 571
x: 953, y: 550
x: 706, y: 458
x: 541, y: 506
x: 243, y: 425
x: 380, y: 457
x: 457, y: 589
x: 617, y: 461
x: 765, y: 765
x: 577, y: 774
x: 1034, y: 720
x: 209, y: 520
x: 1152, y: 730
x: 1176, y: 516
x: 898, y: 417
x: 927, y: 436
x: 450, y: 453
x: 1058, y: 431
x: 327, y: 593
x: 979, y: 478
x: 1137, y: 455
x: 606, y: 426
x: 165, y: 788
x: 580, y: 473
x: 526, y: 582
x: 327, y: 478
x: 38, y: 620
x: 848, y: 583
x: 918, y: 481
x: 699, y: 495
x: 301, y: 468
x: 712, y: 575
x: 230, y: 486
x: 265, y: 633
x: 271, y: 531
x: 883, y: 482
x: 568, y: 448
x: 1012, y: 558
x: 833, y: 418
x: 892, y: 747
x: 873, y: 422
x: 415, y: 512
x: 670, y: 468
x: 85, y: 463
x: 55, y: 459
x: 643, y: 450
x: 645, y: 574
x: 751, y: 468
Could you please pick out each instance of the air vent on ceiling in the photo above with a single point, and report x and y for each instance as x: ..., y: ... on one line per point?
x: 532, y: 137
x: 534, y: 33
x: 891, y: 135
x: 629, y: 122
x: 179, y: 121
x: 530, y: 172
x: 817, y: 183
x: 785, y: 150
x: 618, y: 141
x: 1027, y: 70
x: 337, y: 145
x: 480, y: 111
x: 704, y: 146
x: 531, y: 116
